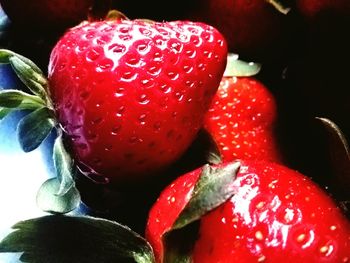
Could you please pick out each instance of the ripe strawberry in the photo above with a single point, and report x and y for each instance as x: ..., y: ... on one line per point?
x: 241, y: 119
x: 252, y: 28
x: 276, y: 214
x: 46, y: 14
x: 131, y: 95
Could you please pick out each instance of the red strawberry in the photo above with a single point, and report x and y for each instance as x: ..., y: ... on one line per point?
x: 275, y: 215
x: 252, y: 28
x: 131, y: 94
x: 47, y: 14
x: 242, y: 118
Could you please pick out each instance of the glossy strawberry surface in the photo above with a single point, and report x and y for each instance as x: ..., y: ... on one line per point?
x: 276, y: 215
x: 242, y: 120
x: 131, y: 95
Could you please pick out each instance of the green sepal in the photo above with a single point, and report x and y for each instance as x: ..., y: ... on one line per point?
x: 60, y: 239
x: 4, y: 112
x: 17, y: 99
x: 48, y: 201
x: 213, y: 188
x: 339, y: 153
x: 114, y: 15
x: 34, y: 128
x: 27, y: 71
x: 64, y: 166
x: 59, y: 195
x: 33, y: 79
x: 240, y: 68
x: 6, y: 54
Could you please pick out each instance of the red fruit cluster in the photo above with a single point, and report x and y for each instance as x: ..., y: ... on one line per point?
x: 130, y: 97
x: 276, y: 214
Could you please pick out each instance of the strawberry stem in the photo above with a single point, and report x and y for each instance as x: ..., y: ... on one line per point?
x: 116, y: 15
x: 99, y: 10
x: 279, y: 6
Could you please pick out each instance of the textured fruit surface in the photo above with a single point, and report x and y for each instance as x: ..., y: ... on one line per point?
x: 46, y: 13
x: 132, y: 95
x: 277, y: 215
x: 242, y: 120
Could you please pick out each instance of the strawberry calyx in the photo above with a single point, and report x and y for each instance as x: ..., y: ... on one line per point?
x: 339, y: 152
x: 92, y: 239
x: 115, y: 15
x: 214, y: 186
x: 239, y: 68
x: 56, y: 195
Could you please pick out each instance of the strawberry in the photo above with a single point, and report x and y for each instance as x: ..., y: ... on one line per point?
x: 131, y: 95
x: 46, y: 14
x: 274, y: 214
x: 252, y: 28
x: 242, y: 117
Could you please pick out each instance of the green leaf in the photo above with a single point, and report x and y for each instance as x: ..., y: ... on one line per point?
x: 339, y: 153
x: 12, y: 98
x: 63, y: 165
x: 66, y: 239
x: 49, y: 201
x: 34, y: 128
x: 59, y: 194
x: 34, y: 80
x: 239, y: 68
x: 6, y: 54
x: 27, y: 71
x: 31, y: 64
x: 4, y: 112
x: 214, y: 187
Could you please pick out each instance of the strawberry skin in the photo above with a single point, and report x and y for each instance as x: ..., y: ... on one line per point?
x: 241, y: 120
x: 276, y: 215
x: 131, y: 95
